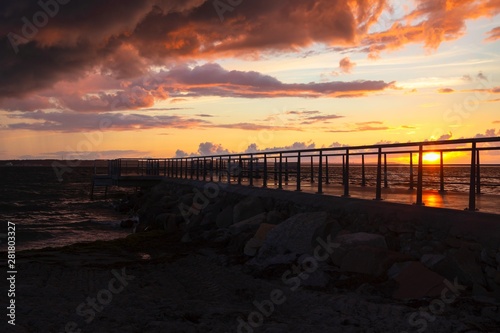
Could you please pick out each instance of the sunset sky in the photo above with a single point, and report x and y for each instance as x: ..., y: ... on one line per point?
x: 162, y: 78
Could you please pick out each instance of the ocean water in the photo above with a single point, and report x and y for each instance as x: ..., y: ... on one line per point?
x: 456, y: 178
x: 50, y: 213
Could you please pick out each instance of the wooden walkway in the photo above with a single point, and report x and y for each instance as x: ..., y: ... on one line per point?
x: 313, y: 171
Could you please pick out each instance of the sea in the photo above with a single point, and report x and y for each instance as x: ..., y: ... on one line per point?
x: 52, y: 211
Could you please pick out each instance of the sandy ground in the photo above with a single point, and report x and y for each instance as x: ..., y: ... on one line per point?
x: 154, y: 283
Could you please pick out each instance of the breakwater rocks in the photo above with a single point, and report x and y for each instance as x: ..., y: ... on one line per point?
x: 403, y: 253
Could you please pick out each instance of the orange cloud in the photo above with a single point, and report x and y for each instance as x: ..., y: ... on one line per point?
x: 493, y: 34
x: 445, y: 90
x: 346, y: 65
x: 431, y: 23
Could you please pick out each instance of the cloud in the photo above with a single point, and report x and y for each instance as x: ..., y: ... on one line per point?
x: 445, y: 90
x: 496, y: 122
x: 184, y: 81
x: 346, y: 65
x: 337, y: 145
x: 144, y: 34
x: 489, y: 133
x: 209, y: 148
x: 444, y: 137
x: 294, y: 146
x: 430, y: 23
x: 181, y: 153
x: 256, y: 127
x: 481, y: 76
x: 362, y: 127
x: 89, y: 155
x: 74, y: 122
x: 493, y: 34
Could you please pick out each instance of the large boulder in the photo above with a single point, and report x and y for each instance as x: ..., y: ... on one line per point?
x: 298, y: 234
x: 346, y: 242
x: 249, y: 225
x: 372, y: 261
x: 247, y: 208
x: 254, y: 244
x: 461, y: 264
x: 415, y: 281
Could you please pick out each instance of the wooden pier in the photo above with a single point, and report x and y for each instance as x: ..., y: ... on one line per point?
x: 360, y: 171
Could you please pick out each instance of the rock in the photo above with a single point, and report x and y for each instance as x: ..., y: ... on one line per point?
x: 170, y: 226
x: 295, y: 235
x: 209, y: 219
x: 480, y: 294
x: 263, y: 230
x: 251, y: 224
x: 274, y: 217
x: 225, y: 218
x: 496, y: 278
x: 372, y: 261
x: 361, y: 238
x: 187, y: 199
x: 254, y: 244
x: 186, y: 238
x: 469, y: 270
x: 415, y: 281
x: 247, y: 208
x: 348, y: 241
x: 431, y: 260
x: 487, y: 258
x: 490, y: 272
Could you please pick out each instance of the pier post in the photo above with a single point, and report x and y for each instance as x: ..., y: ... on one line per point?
x: 280, y: 176
x: 320, y: 173
x: 420, y: 177
x: 298, y: 171
x: 472, y: 188
x: 275, y: 169
x: 286, y: 170
x: 379, y: 176
x: 363, y: 174
x: 198, y: 168
x: 264, y: 180
x: 412, y: 186
x: 478, y: 177
x: 346, y: 174
x: 343, y: 170
x: 386, y: 185
x: 327, y: 178
x: 212, y: 169
x: 240, y: 170
x: 219, y: 169
x: 229, y: 170
x: 250, y: 166
x: 186, y: 174
x: 441, y: 173
x: 312, y: 170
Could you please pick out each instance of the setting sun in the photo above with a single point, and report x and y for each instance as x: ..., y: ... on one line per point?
x: 431, y: 157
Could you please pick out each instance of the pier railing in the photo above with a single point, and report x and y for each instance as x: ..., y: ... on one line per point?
x: 345, y: 165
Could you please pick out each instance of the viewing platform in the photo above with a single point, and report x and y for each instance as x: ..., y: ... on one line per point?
x: 364, y: 172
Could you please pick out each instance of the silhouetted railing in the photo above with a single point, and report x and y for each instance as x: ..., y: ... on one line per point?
x: 318, y: 166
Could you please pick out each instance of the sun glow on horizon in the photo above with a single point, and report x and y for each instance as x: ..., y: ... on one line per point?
x: 431, y: 157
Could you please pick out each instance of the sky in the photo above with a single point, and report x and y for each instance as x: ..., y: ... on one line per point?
x: 163, y: 78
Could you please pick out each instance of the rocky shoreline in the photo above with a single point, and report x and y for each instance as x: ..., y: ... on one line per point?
x: 213, y: 258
